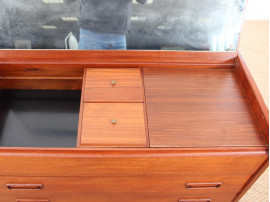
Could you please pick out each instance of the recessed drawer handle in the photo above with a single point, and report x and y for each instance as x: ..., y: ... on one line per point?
x: 194, y: 200
x: 211, y: 185
x: 32, y: 200
x: 24, y: 186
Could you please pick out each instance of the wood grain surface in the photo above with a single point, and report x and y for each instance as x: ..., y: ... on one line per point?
x: 42, y: 77
x: 254, y: 96
x: 195, y: 200
x: 132, y: 188
x: 130, y: 162
x: 199, y: 108
x: 255, y: 62
x: 41, y: 83
x: 79, y: 132
x: 99, y: 130
x: 127, y: 85
x: 116, y: 58
x: 208, y: 112
x: 252, y: 180
x: 26, y: 200
x: 41, y: 70
x: 132, y: 177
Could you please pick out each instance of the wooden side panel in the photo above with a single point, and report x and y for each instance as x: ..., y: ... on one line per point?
x: 36, y: 67
x: 198, y: 108
x: 255, y: 99
x: 42, y: 77
x: 28, y: 200
x: 260, y: 111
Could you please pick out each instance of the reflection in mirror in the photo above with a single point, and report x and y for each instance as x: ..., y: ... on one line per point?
x: 209, y: 25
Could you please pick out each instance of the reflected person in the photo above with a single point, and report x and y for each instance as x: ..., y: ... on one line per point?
x: 104, y: 23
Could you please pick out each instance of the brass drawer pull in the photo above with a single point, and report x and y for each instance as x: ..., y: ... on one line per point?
x: 211, y: 185
x: 194, y: 200
x: 24, y: 186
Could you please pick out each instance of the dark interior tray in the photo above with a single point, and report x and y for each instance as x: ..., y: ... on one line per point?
x: 39, y: 118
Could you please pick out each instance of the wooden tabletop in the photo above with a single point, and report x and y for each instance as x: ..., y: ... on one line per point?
x: 254, y: 47
x: 199, y: 108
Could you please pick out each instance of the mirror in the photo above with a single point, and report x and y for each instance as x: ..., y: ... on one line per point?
x: 208, y: 25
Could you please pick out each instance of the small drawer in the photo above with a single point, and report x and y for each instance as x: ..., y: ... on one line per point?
x: 113, y: 125
x: 113, y: 85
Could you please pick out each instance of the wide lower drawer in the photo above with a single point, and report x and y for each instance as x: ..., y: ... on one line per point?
x: 113, y: 125
x: 132, y: 162
x: 217, y: 188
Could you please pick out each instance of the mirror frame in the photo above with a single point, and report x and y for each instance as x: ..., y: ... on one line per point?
x: 116, y: 58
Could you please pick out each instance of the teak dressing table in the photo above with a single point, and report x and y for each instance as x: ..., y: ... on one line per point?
x: 129, y: 126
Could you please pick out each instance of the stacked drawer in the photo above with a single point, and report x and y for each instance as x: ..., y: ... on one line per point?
x: 112, y: 109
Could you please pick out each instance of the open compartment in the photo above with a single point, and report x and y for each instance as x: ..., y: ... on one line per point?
x: 39, y: 118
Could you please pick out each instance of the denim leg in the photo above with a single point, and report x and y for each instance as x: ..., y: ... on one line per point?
x: 101, y: 41
x: 120, y: 42
x: 93, y: 41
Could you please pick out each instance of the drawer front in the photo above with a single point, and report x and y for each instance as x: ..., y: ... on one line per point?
x: 113, y: 125
x: 113, y: 85
x: 119, y: 188
x: 130, y: 162
x: 16, y: 199
x: 195, y: 200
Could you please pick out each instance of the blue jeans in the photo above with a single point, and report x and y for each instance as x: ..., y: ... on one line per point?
x: 101, y: 41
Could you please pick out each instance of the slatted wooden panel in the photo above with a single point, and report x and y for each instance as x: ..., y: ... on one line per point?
x: 199, y: 108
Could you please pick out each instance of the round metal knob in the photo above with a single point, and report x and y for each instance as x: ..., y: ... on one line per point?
x: 114, y: 121
x: 113, y: 83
